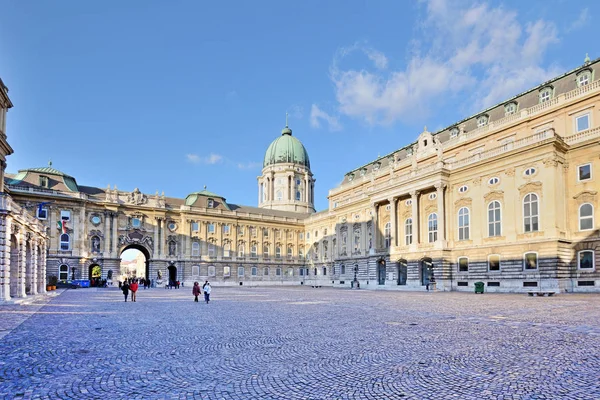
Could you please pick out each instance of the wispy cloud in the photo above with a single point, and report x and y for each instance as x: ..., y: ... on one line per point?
x: 295, y: 111
x: 212, y: 158
x: 582, y: 20
x: 249, y: 165
x: 478, y: 53
x: 316, y: 115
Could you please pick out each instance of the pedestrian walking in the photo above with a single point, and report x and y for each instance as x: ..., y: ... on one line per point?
x: 207, y: 290
x: 196, y: 291
x: 133, y: 287
x: 125, y: 289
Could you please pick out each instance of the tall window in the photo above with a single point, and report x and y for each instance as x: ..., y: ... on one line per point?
x: 290, y: 250
x: 240, y: 271
x: 582, y: 123
x: 211, y: 250
x: 408, y: 231
x: 195, y: 270
x: 195, y: 227
x: 357, y: 240
x: 494, y: 263
x: 226, y: 270
x: 266, y: 271
x: 463, y: 224
x: 195, y: 249
x: 241, y: 250
x: 63, y: 272
x: 253, y: 251
x: 211, y: 228
x: 65, y: 215
x: 278, y: 251
x: 530, y: 212
x: 65, y: 242
x: 387, y: 230
x: 226, y: 249
x: 586, y: 260
x: 494, y: 219
x: 463, y: 264
x: 254, y: 271
x: 226, y: 229
x: 530, y: 261
x: 432, y: 227
x: 584, y: 172
x: 211, y: 203
x: 586, y: 217
x: 279, y: 195
x: 211, y: 270
x: 301, y: 252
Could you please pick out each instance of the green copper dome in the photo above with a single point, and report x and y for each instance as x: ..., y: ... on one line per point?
x: 286, y: 149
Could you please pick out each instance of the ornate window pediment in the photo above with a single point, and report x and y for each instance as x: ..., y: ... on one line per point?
x: 587, y: 196
x: 530, y: 187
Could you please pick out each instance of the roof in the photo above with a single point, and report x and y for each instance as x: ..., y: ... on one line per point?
x: 286, y: 149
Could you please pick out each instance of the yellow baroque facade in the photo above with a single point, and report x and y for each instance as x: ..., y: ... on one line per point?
x: 507, y: 197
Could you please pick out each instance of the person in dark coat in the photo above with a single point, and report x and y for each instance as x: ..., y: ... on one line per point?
x: 196, y: 291
x: 125, y: 289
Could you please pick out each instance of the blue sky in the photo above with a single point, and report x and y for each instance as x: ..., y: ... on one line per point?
x: 172, y: 96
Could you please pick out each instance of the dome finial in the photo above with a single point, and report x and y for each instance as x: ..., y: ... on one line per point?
x: 286, y: 120
x: 49, y: 163
x: 587, y: 59
x: 204, y: 187
x: 286, y: 130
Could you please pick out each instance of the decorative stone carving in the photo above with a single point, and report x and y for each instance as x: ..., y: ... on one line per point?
x: 136, y: 197
x: 136, y: 237
x: 530, y: 187
x: 465, y: 202
x: 587, y: 196
x: 476, y: 181
x: 509, y: 172
x: 494, y: 195
x: 94, y: 232
x: 108, y: 194
x: 550, y: 162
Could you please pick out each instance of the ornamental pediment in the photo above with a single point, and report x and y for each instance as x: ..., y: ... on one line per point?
x: 494, y: 195
x: 530, y: 187
x: 464, y: 202
x: 586, y: 196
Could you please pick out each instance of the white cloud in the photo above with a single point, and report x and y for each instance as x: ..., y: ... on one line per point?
x: 249, y: 165
x: 469, y: 51
x: 210, y: 159
x: 316, y: 114
x: 582, y: 20
x: 296, y: 111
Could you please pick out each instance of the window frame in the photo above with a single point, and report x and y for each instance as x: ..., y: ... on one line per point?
x: 61, y: 272
x: 210, y: 203
x: 254, y: 251
x: 254, y: 271
x: 494, y: 180
x: 212, y: 249
x: 511, y: 108
x: 195, y: 268
x: 547, y: 90
x: 195, y: 249
x: 458, y: 266
x: 195, y: 227
x: 44, y: 181
x: 277, y: 251
x: 576, y: 119
x: 464, y: 225
x: 37, y: 213
x: 579, y: 172
x: 495, y: 224
x: 432, y: 230
x: 240, y: 250
x: 483, y: 120
x: 590, y: 217
x: 387, y: 231
x: 579, y: 267
x: 65, y: 213
x: 584, y: 74
x: 211, y: 228
x: 62, y: 242
x: 408, y: 231
x: 463, y: 189
x: 537, y: 261
x: 499, y: 263
x: 241, y: 272
x: 531, y: 216
x: 211, y: 270
x: 226, y: 271
x: 266, y: 251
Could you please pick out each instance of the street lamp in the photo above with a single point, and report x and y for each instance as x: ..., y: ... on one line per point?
x: 72, y: 273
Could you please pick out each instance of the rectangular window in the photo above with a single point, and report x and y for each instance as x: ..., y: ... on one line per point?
x: 278, y: 272
x: 195, y: 227
x: 494, y: 263
x: 211, y: 270
x: 195, y: 249
x: 135, y: 222
x: 265, y: 233
x: 211, y: 250
x: 301, y: 270
x: 65, y: 215
x: 240, y: 271
x: 408, y: 232
x: 254, y: 271
x: 211, y: 228
x: 530, y: 261
x: 585, y: 260
x: 582, y: 123
x: 226, y: 271
x: 211, y: 203
x: 42, y: 213
x: 195, y: 270
x: 463, y: 264
x: 226, y: 229
x: 44, y: 181
x: 240, y: 230
x: 584, y: 172
x: 324, y: 271
x: 301, y: 236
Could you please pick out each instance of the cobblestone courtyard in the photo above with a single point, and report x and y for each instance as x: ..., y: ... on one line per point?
x: 301, y: 343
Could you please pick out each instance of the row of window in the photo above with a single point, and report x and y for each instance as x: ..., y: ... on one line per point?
x: 254, y: 271
x: 585, y: 261
x: 212, y: 250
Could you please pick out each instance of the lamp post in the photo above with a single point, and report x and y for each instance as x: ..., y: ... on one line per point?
x: 72, y: 273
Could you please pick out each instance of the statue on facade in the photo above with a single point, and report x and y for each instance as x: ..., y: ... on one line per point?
x: 438, y: 147
x: 136, y: 197
x: 108, y: 194
x: 109, y: 274
x: 172, y: 248
x: 158, y: 275
x: 95, y: 244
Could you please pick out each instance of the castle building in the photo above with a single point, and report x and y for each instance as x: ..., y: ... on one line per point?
x: 507, y: 197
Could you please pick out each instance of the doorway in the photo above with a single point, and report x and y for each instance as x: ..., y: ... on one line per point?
x: 135, y: 262
x: 402, y: 272
x: 172, y: 275
x: 95, y: 274
x: 381, y: 271
x: 426, y: 271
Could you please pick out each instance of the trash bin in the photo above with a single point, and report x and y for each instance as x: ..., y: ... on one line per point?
x: 478, y: 287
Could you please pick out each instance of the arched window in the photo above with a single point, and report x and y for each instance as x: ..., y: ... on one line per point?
x: 432, y: 227
x: 290, y: 250
x: 241, y: 250
x: 586, y: 217
x: 211, y: 270
x: 290, y: 271
x: 240, y: 271
x: 253, y: 251
x: 195, y: 270
x: 494, y: 219
x: 211, y: 250
x: 226, y: 249
x: 254, y: 271
x: 463, y: 224
x: 301, y: 252
x: 530, y: 213
x: 195, y: 249
x: 408, y: 231
x: 266, y: 250
x: 278, y: 251
x: 278, y: 272
x: 266, y: 271
x: 279, y: 195
x: 65, y: 242
x: 388, y: 235
x: 586, y: 260
x: 63, y: 272
x: 298, y: 195
x: 343, y: 269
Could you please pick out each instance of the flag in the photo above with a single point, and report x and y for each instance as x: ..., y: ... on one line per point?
x: 62, y: 226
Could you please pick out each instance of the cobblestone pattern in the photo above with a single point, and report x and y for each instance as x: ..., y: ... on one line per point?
x: 302, y: 343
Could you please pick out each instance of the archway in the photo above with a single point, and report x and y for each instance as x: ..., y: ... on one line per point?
x: 135, y: 262
x: 14, y: 266
x: 95, y: 274
x: 172, y: 274
x: 402, y: 269
x: 426, y: 270
x: 381, y: 271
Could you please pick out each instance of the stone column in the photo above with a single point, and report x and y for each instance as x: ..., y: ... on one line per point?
x: 393, y: 222
x: 80, y: 227
x: 106, y: 234
x: 375, y: 219
x: 53, y: 233
x: 416, y: 228
x: 44, y: 261
x: 5, y: 229
x: 441, y: 239
x: 155, y: 238
x: 306, y: 187
x: 34, y: 266
x: 114, y: 234
x: 22, y: 268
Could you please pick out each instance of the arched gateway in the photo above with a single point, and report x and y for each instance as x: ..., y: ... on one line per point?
x: 144, y: 251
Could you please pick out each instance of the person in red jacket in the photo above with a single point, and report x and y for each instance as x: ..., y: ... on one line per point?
x: 133, y: 287
x: 196, y: 291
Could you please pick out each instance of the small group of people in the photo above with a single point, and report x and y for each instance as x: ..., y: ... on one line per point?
x: 196, y: 291
x: 132, y: 286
